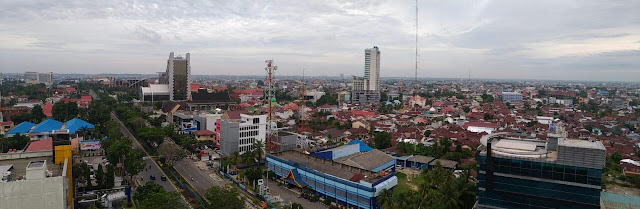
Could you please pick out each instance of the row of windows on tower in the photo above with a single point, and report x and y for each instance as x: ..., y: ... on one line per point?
x: 248, y: 133
x: 246, y: 148
x: 249, y: 128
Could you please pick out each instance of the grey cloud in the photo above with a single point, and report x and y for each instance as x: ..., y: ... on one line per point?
x: 488, y: 38
x: 147, y: 34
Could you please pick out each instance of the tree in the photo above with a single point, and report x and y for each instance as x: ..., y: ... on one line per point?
x: 64, y: 111
x: 226, y: 197
x: 100, y: 177
x: 258, y: 150
x: 382, y: 140
x: 152, y: 195
x: 588, y: 127
x: 172, y: 152
x: 110, y: 177
x: 253, y: 174
x: 19, y: 118
x: 147, y: 189
x: 116, y: 149
x: 296, y: 206
x: 15, y: 142
x: 36, y: 114
x: 133, y: 162
x: 385, y: 199
x: 427, y: 133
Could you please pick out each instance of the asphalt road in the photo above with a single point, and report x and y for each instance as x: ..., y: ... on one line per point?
x: 201, y: 179
x: 151, y: 168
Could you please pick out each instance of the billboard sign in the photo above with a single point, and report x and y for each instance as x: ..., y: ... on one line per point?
x: 90, y: 145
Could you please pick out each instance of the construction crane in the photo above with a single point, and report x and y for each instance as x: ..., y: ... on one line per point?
x: 272, y: 133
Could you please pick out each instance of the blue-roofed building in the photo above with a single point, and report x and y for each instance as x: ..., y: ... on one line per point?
x: 351, y: 178
x: 22, y: 128
x: 47, y: 126
x: 363, y: 147
x: 76, y: 124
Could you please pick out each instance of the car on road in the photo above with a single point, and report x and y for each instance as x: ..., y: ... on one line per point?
x: 164, y: 178
x: 152, y: 177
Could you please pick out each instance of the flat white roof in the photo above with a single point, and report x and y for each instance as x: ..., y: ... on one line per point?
x: 157, y: 89
x: 581, y: 144
x: 516, y: 145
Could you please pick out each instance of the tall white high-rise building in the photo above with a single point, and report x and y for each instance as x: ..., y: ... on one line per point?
x: 366, y: 90
x: 372, y: 68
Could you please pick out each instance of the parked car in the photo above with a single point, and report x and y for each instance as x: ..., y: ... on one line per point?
x: 164, y: 178
x: 152, y: 177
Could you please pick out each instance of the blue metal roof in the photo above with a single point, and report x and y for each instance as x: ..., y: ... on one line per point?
x: 47, y: 126
x: 293, y: 177
x: 76, y: 124
x: 22, y: 128
x: 363, y: 147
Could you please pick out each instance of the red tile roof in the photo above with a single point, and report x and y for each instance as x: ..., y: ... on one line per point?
x: 41, y: 145
x: 46, y: 109
x: 204, y: 133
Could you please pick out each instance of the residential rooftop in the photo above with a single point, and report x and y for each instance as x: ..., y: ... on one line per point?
x: 18, y: 167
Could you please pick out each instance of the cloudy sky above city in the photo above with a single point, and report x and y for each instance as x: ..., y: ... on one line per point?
x: 572, y: 40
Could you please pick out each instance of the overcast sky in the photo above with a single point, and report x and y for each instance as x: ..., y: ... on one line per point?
x: 558, y: 39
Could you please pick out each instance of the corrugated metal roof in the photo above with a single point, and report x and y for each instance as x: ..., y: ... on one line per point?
x: 76, y: 124
x: 21, y: 128
x: 47, y: 126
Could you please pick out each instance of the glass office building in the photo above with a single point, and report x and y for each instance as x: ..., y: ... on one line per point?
x: 529, y: 173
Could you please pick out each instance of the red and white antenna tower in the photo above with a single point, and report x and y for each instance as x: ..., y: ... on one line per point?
x: 272, y: 133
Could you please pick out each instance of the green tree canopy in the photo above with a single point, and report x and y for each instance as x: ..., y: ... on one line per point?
x: 224, y: 198
x: 382, y: 140
x: 36, y: 114
x: 64, y: 111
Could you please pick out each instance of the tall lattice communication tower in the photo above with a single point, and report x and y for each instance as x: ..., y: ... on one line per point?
x: 272, y: 133
x: 416, y: 72
x: 303, y: 94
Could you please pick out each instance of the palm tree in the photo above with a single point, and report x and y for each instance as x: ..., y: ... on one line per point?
x: 385, y: 199
x: 235, y: 158
x: 258, y: 150
x: 84, y: 131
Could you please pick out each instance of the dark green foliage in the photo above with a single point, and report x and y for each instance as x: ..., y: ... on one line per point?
x: 224, y: 198
x: 17, y: 141
x: 152, y: 196
x: 63, y: 111
x: 382, y: 140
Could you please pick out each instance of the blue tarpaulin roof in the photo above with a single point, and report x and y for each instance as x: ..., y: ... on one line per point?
x: 76, y: 124
x: 47, y: 126
x: 22, y: 128
x: 363, y: 147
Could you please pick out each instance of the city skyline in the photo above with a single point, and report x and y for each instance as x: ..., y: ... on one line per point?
x: 566, y: 40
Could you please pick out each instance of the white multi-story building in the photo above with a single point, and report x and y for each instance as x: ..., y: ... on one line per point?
x: 240, y: 135
x: 366, y: 89
x: 372, y: 68
x: 511, y: 97
x: 36, y: 77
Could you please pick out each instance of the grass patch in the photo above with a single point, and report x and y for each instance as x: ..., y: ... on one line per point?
x: 403, y: 184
